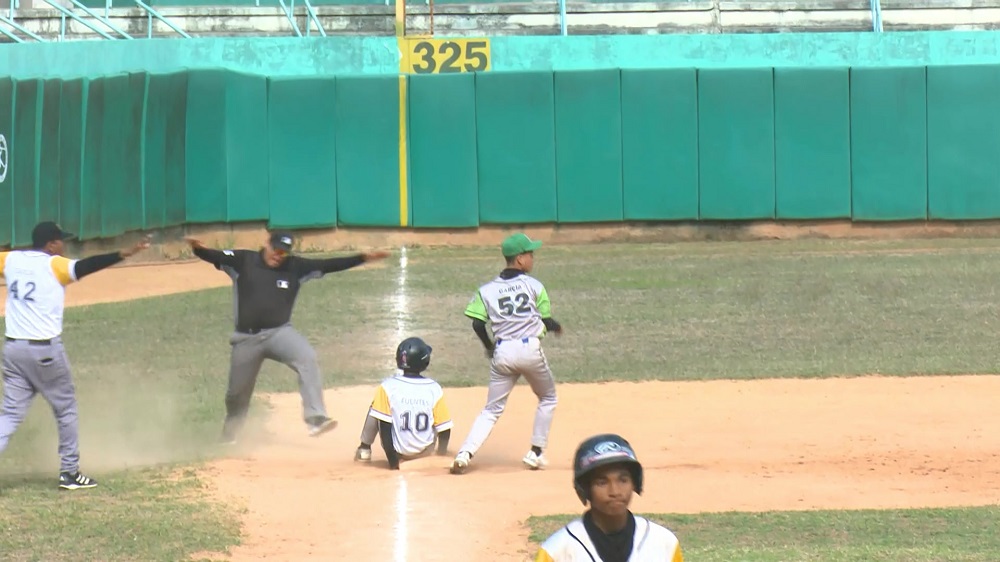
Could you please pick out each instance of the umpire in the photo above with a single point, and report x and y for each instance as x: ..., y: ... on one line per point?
x: 266, y: 283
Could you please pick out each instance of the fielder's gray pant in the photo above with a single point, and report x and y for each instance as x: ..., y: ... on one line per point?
x: 284, y: 345
x: 43, y: 369
x: 511, y: 360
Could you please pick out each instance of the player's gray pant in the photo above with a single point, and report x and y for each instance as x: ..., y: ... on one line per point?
x: 284, y: 345
x: 511, y: 360
x: 30, y: 369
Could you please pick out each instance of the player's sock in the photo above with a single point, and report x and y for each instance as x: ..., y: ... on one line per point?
x: 364, y: 445
x: 536, y: 450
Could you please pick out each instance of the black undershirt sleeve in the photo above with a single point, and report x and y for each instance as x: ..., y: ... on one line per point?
x: 93, y: 264
x: 443, y: 439
x: 385, y: 435
x: 551, y: 324
x: 480, y: 328
x: 305, y: 266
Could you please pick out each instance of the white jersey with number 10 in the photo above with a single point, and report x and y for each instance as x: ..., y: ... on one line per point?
x: 416, y: 408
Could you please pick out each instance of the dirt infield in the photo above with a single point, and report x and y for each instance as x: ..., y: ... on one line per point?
x: 869, y: 442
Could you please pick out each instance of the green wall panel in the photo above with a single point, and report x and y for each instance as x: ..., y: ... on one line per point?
x: 90, y: 183
x: 49, y: 173
x: 443, y: 171
x: 205, y: 146
x: 367, y: 117
x: 121, y: 154
x: 889, y: 143
x: 166, y: 106
x: 812, y: 112
x: 247, y: 146
x: 516, y: 147
x: 736, y: 143
x: 589, y: 145
x: 72, y: 140
x: 303, y: 150
x: 963, y: 142
x: 660, y: 144
x: 7, y: 184
x: 26, y: 158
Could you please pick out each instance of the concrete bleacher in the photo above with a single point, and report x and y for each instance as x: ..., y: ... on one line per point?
x: 207, y: 18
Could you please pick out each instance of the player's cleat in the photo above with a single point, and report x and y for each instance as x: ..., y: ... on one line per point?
x: 533, y: 461
x: 363, y: 455
x: 461, y: 463
x: 320, y: 425
x: 68, y: 481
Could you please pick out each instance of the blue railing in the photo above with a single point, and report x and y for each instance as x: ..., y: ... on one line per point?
x: 11, y: 23
x: 876, y: 6
x: 67, y: 13
x: 150, y: 14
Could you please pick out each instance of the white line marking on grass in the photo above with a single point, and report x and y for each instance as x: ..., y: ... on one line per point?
x: 401, y: 310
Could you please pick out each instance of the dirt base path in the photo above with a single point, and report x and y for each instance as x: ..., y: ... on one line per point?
x: 869, y: 442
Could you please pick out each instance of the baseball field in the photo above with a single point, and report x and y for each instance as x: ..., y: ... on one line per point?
x: 831, y: 397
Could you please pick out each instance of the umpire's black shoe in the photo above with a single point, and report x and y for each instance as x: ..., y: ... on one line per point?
x: 318, y: 425
x: 70, y: 481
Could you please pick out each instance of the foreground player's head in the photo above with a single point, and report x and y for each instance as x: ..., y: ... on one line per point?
x: 278, y: 247
x: 519, y: 251
x: 606, y: 472
x: 413, y: 355
x: 49, y: 237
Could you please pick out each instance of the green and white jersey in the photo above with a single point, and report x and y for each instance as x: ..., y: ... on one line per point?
x: 514, y: 307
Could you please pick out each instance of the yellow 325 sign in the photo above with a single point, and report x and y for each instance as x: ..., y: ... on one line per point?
x: 445, y: 56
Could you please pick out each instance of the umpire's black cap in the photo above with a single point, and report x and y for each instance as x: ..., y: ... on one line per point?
x: 46, y: 232
x: 282, y: 241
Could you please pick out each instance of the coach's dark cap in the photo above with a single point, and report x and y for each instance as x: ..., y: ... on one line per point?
x: 46, y: 232
x: 282, y: 241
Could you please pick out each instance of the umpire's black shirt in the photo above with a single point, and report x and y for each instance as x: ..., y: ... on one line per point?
x: 264, y: 295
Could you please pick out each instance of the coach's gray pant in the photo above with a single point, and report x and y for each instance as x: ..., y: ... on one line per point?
x: 284, y: 345
x: 30, y: 369
x: 511, y: 360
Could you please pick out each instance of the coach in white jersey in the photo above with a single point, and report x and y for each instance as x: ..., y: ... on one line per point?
x: 518, y: 309
x: 409, y: 410
x: 606, y: 472
x: 34, y: 361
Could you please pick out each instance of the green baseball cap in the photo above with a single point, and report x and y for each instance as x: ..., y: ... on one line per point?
x: 519, y: 243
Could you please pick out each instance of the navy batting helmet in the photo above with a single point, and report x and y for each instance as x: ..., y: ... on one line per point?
x: 601, y: 450
x: 413, y: 355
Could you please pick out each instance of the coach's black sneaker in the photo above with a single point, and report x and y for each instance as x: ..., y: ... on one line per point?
x: 318, y: 425
x: 78, y: 481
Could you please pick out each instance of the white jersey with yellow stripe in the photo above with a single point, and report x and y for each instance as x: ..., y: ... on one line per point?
x: 36, y: 293
x: 652, y: 543
x: 417, y: 410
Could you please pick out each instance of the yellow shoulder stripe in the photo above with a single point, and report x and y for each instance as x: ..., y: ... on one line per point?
x: 61, y: 269
x: 3, y: 260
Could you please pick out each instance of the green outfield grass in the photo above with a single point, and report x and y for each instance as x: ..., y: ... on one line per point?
x: 927, y: 535
x: 151, y: 373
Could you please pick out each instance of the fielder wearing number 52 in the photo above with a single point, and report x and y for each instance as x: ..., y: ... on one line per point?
x: 446, y: 56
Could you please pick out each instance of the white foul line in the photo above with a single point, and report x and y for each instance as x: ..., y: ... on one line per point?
x: 400, y: 308
x: 401, y: 526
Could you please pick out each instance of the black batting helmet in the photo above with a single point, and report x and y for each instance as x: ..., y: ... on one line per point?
x: 413, y: 355
x: 601, y: 450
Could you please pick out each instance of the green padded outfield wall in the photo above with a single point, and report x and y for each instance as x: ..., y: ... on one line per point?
x: 812, y: 152
x: 128, y: 151
x: 367, y: 116
x: 516, y: 147
x: 302, y: 143
x: 963, y: 142
x: 442, y: 146
x: 736, y: 143
x: 889, y: 143
x: 588, y: 146
x: 660, y: 144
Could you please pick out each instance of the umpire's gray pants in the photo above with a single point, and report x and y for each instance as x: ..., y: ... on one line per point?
x: 43, y: 369
x: 284, y: 345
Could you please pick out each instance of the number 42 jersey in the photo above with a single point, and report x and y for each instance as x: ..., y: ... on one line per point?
x: 514, y: 307
x: 417, y: 410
